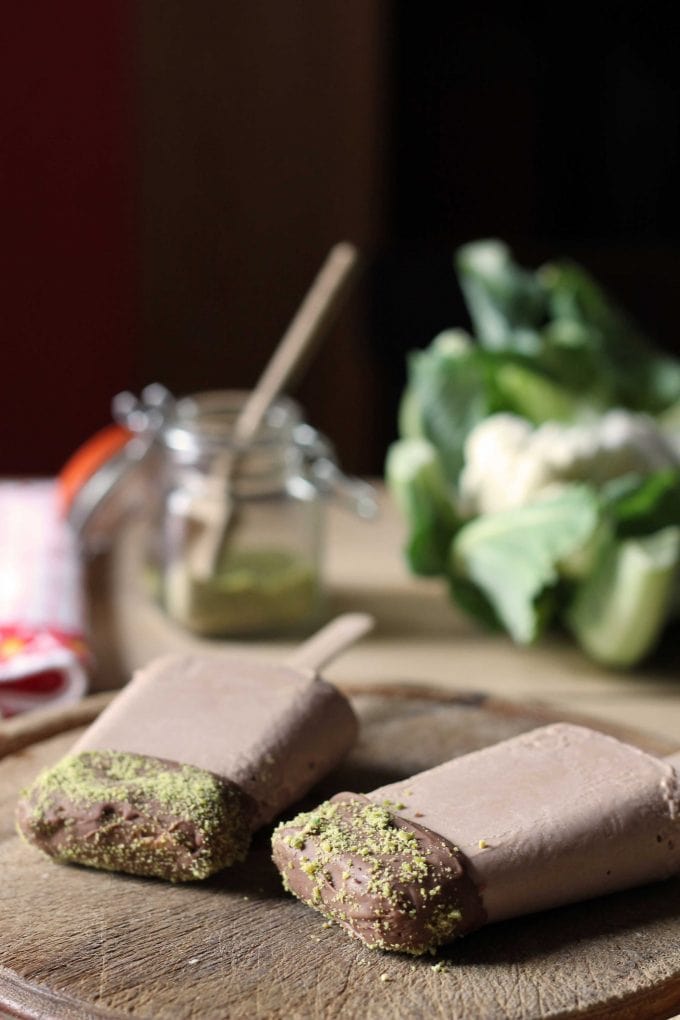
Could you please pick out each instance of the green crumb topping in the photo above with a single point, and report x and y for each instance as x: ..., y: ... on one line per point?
x: 444, y: 920
x: 369, y: 832
x: 365, y: 868
x: 128, y: 812
x: 95, y: 776
x: 310, y: 867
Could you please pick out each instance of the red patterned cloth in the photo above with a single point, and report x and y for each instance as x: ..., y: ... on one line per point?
x: 43, y: 653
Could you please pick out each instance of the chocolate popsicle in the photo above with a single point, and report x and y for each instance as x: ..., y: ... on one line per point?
x: 554, y: 816
x: 194, y: 755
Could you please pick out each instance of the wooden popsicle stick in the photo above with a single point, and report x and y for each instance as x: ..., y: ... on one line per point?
x: 43, y: 723
x: 327, y: 643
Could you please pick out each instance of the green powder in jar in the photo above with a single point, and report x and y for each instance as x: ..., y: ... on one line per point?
x: 256, y: 591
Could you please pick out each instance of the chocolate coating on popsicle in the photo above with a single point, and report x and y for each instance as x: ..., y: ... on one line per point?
x: 194, y: 755
x: 552, y: 816
x: 138, y: 814
x: 391, y: 883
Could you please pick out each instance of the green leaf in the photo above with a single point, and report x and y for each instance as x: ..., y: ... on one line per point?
x: 641, y: 506
x: 669, y: 422
x: 473, y: 601
x: 410, y: 416
x: 514, y: 557
x: 571, y: 354
x: 640, y: 377
x: 449, y: 346
x: 534, y: 396
x: 415, y: 477
x: 662, y: 377
x: 619, y: 612
x: 506, y: 303
x: 452, y: 395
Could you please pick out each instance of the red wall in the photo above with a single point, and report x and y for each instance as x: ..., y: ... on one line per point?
x: 68, y: 304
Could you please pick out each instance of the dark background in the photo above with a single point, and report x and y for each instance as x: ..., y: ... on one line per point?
x: 173, y: 175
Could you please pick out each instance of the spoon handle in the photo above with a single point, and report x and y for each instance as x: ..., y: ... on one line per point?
x: 313, y: 317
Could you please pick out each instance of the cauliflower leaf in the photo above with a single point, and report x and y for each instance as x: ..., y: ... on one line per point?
x: 514, y: 556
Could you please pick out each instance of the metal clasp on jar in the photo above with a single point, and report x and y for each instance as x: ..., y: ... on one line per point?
x: 322, y: 464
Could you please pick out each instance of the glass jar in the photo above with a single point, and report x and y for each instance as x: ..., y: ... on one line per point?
x: 238, y: 532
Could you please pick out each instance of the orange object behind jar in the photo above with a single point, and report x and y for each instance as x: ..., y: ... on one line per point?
x: 101, y: 483
x: 87, y: 460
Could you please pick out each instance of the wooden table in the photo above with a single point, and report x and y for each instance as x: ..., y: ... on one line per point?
x: 419, y: 638
x: 237, y: 945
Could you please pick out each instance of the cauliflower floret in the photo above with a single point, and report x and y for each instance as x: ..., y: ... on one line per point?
x: 509, y: 463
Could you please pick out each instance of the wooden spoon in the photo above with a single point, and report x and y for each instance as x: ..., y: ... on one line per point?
x: 308, y: 326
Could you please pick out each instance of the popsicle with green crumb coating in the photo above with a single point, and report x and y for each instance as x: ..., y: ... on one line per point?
x: 560, y: 814
x: 194, y: 755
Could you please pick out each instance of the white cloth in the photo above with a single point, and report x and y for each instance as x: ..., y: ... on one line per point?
x: 43, y: 654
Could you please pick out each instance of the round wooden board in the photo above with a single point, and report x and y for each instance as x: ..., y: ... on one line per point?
x: 80, y: 945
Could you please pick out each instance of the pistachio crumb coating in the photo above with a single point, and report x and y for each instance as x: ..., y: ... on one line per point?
x: 130, y: 812
x: 391, y: 883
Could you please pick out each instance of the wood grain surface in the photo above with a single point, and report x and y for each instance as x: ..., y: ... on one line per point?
x: 80, y: 945
x: 419, y: 636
